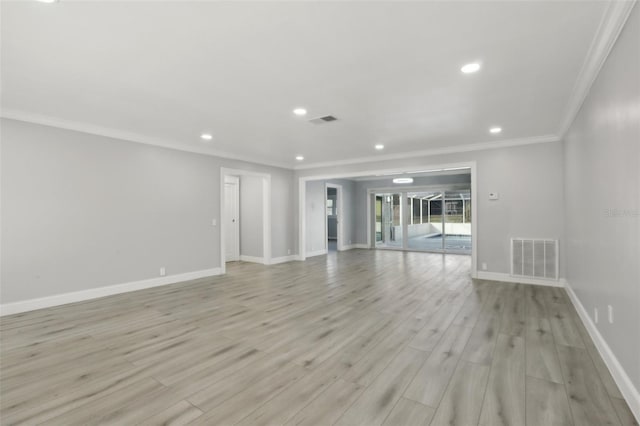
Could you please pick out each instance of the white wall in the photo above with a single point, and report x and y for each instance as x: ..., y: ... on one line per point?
x: 82, y: 211
x: 602, y: 199
x: 528, y: 178
x: 251, y: 229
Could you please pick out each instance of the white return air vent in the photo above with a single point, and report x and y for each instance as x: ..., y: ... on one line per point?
x: 534, y: 258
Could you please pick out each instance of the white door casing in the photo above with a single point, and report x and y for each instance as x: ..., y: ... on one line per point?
x: 231, y: 220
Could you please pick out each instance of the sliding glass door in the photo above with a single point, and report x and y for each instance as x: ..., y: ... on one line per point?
x: 434, y: 220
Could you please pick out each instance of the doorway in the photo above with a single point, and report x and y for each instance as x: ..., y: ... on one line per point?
x: 231, y: 219
x: 245, y: 217
x: 424, y: 220
x: 333, y: 217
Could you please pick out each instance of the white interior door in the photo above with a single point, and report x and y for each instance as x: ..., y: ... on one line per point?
x: 231, y: 219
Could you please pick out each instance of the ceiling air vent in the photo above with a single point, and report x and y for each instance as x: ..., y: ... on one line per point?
x: 322, y: 120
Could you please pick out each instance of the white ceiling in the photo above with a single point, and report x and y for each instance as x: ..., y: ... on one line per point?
x: 164, y: 72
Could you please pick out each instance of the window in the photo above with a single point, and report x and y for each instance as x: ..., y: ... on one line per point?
x: 330, y: 208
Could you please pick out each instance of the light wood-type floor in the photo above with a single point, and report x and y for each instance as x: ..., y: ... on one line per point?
x: 359, y: 337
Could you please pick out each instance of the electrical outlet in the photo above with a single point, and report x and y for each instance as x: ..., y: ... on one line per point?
x: 595, y: 315
x: 163, y: 272
x: 610, y: 308
x: 213, y: 222
x: 288, y: 251
x: 484, y: 266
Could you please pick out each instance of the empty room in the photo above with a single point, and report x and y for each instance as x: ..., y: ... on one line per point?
x: 392, y: 213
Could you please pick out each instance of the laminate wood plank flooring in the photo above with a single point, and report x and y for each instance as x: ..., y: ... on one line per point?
x: 357, y: 337
x: 504, y: 400
x: 546, y: 404
x: 407, y: 412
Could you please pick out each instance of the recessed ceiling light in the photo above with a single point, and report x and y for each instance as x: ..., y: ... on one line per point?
x: 403, y: 180
x: 299, y: 157
x: 48, y: 1
x: 470, y: 68
x: 300, y: 112
x: 495, y: 130
x: 379, y: 146
x: 206, y: 136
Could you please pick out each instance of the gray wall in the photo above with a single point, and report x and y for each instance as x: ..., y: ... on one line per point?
x: 602, y: 199
x: 251, y: 229
x: 81, y: 211
x: 528, y: 178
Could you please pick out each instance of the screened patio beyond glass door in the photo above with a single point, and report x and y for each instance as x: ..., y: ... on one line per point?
x: 424, y: 221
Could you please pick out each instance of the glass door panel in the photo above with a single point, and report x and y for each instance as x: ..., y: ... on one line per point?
x: 457, y: 221
x: 388, y: 220
x: 425, y: 227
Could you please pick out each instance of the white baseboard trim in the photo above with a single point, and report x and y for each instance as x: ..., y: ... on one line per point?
x: 316, y: 253
x: 283, y: 259
x: 499, y: 276
x: 354, y: 246
x: 252, y: 259
x: 628, y: 390
x: 94, y: 293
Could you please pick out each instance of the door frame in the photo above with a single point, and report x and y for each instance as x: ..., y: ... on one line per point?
x: 302, y: 191
x: 266, y: 212
x: 339, y: 217
x: 235, y: 180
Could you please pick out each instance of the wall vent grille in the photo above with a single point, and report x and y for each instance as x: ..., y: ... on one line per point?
x: 534, y: 258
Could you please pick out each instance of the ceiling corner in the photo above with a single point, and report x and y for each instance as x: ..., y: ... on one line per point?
x: 609, y: 29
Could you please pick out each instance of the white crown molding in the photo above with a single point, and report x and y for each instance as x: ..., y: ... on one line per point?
x: 608, y: 31
x: 481, y: 146
x: 170, y: 144
x: 131, y: 137
x: 94, y: 293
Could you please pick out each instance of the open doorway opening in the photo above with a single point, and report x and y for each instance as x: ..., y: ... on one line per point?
x: 428, y: 208
x: 245, y: 217
x: 332, y: 218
